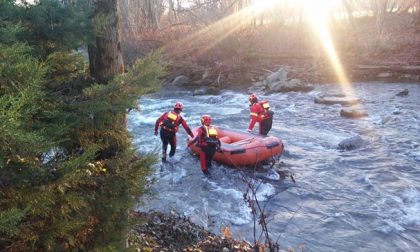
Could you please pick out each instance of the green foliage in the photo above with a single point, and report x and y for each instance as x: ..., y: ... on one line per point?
x: 68, y: 172
x: 21, y: 103
x: 56, y: 127
x: 48, y: 26
x: 144, y: 74
x: 66, y: 69
x: 9, y: 221
x: 10, y: 32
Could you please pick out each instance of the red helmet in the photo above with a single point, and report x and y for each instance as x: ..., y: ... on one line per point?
x: 253, y: 98
x: 179, y: 106
x: 205, y: 120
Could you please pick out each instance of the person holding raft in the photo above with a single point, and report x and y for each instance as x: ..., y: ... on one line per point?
x: 207, y: 139
x: 261, y: 113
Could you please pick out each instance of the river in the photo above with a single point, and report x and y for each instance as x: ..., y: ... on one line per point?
x: 366, y: 199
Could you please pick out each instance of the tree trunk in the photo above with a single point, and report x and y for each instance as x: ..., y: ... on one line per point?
x: 105, y: 55
x: 152, y: 13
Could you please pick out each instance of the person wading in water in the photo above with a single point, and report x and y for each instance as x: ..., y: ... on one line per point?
x: 261, y: 113
x: 169, y: 123
x: 208, y: 141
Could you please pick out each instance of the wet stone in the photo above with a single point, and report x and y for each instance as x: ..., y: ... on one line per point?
x: 330, y: 100
x: 351, y: 143
x: 403, y: 93
x: 353, y: 113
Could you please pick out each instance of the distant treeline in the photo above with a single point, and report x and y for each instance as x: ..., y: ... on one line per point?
x: 203, y: 32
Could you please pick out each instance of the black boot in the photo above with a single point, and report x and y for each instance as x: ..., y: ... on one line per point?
x: 206, y: 172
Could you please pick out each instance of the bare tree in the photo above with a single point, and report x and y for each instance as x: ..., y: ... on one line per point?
x: 152, y: 13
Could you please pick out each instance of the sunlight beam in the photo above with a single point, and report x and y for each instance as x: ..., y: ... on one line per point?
x: 318, y: 14
x: 212, y: 35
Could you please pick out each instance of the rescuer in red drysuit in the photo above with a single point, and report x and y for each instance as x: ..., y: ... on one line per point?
x: 169, y: 123
x: 208, y: 141
x: 261, y: 113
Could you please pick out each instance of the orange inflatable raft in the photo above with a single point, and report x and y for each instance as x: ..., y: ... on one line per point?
x: 239, y: 148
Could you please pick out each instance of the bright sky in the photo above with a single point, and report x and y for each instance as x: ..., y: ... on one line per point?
x: 29, y: 1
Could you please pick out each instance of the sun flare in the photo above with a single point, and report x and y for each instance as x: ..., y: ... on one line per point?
x: 316, y: 13
x: 319, y: 14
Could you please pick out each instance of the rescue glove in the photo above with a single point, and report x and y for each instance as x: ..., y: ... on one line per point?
x: 156, y: 133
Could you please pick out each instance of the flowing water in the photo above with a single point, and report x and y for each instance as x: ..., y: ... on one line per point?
x: 366, y: 199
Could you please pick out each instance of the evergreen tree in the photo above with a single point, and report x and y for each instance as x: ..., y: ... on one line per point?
x: 58, y: 191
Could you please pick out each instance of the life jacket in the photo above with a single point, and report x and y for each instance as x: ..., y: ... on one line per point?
x: 171, y: 121
x: 210, y: 134
x: 264, y: 105
x: 261, y: 110
x: 266, y: 112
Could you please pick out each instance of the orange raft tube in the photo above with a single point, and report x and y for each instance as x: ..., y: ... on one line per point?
x: 241, y: 148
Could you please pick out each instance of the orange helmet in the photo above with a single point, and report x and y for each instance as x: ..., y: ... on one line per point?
x: 253, y: 98
x: 179, y: 106
x: 205, y: 120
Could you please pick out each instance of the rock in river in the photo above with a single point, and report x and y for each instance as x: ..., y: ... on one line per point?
x: 351, y: 143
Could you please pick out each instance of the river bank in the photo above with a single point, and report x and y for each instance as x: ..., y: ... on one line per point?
x: 307, y: 70
x: 156, y: 231
x: 290, y: 75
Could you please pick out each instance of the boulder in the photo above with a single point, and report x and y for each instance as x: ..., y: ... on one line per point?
x: 410, y: 77
x: 255, y: 89
x: 385, y: 75
x: 181, y: 80
x: 280, y: 75
x: 212, y: 90
x: 200, y: 91
x: 296, y: 85
x: 275, y: 86
x: 206, y: 90
x: 351, y: 143
x: 259, y: 84
x: 353, y: 113
x: 336, y: 99
x: 403, y: 93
